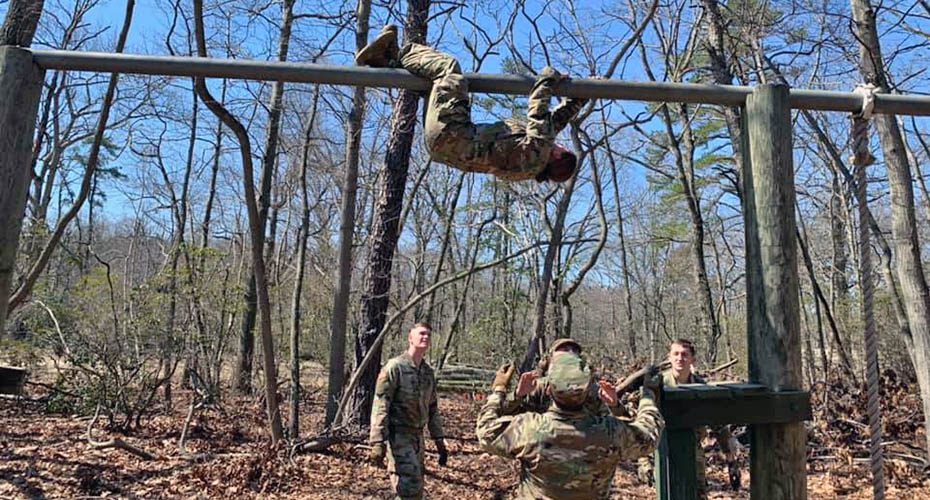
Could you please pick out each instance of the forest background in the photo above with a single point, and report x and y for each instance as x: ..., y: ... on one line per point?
x: 178, y: 230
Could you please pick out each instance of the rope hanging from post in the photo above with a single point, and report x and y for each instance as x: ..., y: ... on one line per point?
x: 861, y: 159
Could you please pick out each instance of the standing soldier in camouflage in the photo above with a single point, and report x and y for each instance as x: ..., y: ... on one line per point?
x: 566, y: 453
x: 405, y: 403
x: 510, y: 150
x: 682, y: 355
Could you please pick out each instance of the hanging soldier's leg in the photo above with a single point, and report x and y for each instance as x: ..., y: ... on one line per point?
x: 447, y: 129
x: 701, y: 463
x: 382, y: 51
x: 405, y: 463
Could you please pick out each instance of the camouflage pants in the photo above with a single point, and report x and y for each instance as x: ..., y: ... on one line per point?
x: 405, y: 463
x: 447, y: 128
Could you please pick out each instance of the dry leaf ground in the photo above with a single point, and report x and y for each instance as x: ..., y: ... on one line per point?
x: 46, y: 456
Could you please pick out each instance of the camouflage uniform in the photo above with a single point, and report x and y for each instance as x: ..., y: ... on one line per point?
x: 405, y: 402
x: 510, y: 150
x: 567, y: 454
x: 722, y: 434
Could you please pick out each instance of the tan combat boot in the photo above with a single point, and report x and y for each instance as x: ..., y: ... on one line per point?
x: 382, y: 52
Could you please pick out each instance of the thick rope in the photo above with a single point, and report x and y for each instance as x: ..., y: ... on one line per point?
x: 861, y: 159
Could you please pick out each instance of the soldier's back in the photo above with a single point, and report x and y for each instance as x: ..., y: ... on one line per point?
x: 566, y: 456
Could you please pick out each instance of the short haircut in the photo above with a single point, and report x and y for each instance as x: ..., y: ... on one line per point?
x: 687, y: 344
x: 422, y: 324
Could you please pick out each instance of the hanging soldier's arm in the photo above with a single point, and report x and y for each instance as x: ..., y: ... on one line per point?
x: 538, y: 117
x: 564, y: 111
x: 385, y: 389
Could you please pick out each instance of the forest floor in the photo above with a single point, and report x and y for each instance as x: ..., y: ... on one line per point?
x: 47, y: 456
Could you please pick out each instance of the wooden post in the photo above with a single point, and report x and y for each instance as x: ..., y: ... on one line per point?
x: 777, y: 465
x: 20, y: 88
x: 676, y: 465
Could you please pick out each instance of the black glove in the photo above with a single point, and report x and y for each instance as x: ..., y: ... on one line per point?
x: 735, y: 475
x: 443, y: 452
x: 376, y: 455
x: 653, y: 380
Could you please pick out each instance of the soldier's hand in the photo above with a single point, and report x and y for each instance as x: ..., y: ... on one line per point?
x: 550, y: 72
x: 652, y: 380
x: 442, y: 451
x: 376, y: 454
x: 502, y: 378
x: 608, y: 393
x: 644, y: 472
x: 527, y: 384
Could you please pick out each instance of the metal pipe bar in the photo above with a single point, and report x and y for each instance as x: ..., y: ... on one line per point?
x: 727, y: 95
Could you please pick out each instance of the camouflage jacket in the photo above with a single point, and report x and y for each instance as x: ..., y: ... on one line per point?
x: 516, y: 151
x: 405, y: 400
x: 567, y: 455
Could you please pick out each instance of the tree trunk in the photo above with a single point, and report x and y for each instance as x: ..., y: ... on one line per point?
x: 302, y: 235
x: 22, y: 19
x: 909, y: 267
x: 337, y: 348
x: 384, y: 234
x: 256, y: 231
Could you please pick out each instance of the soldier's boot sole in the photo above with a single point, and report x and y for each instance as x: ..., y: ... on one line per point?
x: 382, y: 52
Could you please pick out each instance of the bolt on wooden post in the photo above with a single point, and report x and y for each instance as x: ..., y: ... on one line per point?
x: 777, y: 465
x: 20, y: 87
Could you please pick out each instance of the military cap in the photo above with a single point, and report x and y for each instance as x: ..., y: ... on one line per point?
x: 569, y: 378
x: 565, y: 342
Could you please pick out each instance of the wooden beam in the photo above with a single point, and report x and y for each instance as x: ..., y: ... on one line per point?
x: 20, y: 87
x: 777, y: 450
x: 766, y: 408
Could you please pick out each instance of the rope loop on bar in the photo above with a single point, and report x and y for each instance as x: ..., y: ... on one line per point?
x: 867, y: 91
x: 861, y: 159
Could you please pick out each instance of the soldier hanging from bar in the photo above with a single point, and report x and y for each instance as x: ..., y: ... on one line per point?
x: 510, y: 150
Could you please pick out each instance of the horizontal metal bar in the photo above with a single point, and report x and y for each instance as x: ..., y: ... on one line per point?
x: 727, y: 95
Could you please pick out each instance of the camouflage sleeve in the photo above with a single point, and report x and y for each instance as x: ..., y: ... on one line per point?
x: 538, y: 118
x: 564, y: 112
x: 536, y: 401
x: 435, y: 421
x: 494, y: 430
x: 640, y: 437
x: 385, y: 389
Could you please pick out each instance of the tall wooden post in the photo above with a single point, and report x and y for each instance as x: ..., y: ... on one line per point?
x: 20, y: 87
x: 777, y: 465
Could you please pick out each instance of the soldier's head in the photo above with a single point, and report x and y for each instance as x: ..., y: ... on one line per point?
x: 419, y: 336
x: 561, y: 165
x: 569, y: 381
x: 565, y: 345
x: 681, y: 354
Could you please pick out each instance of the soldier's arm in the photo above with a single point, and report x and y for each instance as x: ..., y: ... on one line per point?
x: 538, y: 117
x: 435, y: 421
x: 564, y: 111
x: 640, y: 437
x: 495, y: 431
x: 385, y: 389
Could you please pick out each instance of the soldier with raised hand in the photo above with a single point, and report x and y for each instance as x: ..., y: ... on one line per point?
x: 405, y: 402
x: 566, y: 453
x: 510, y: 150
x: 682, y: 354
x: 531, y: 395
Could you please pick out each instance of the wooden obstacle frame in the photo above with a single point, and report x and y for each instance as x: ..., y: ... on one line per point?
x: 777, y: 448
